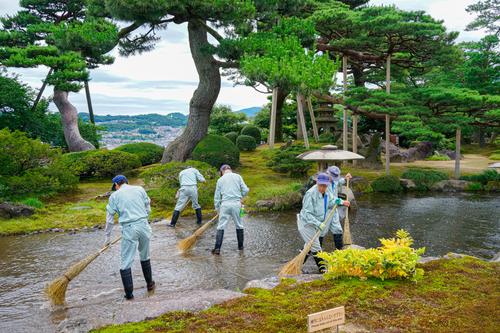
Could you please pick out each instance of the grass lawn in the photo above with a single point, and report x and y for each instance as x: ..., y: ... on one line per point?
x: 457, y: 295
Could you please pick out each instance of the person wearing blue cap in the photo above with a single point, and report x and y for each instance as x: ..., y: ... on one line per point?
x: 229, y: 193
x: 315, y: 206
x: 188, y: 179
x: 132, y: 205
x: 334, y: 226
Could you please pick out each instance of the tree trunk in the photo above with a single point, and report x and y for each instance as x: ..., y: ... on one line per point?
x: 69, y: 120
x: 357, y: 73
x: 203, y: 98
x: 280, y: 101
x: 458, y: 140
x: 89, y: 103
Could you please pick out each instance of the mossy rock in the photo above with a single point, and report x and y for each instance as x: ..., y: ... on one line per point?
x: 217, y: 150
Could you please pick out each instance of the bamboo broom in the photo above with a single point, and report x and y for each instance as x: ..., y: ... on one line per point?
x: 346, y: 237
x: 188, y: 242
x: 56, y: 290
x: 294, y: 266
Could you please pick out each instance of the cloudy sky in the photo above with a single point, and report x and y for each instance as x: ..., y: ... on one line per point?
x: 163, y: 80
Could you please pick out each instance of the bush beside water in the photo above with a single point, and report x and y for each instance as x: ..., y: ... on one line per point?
x: 424, y: 179
x: 387, y: 184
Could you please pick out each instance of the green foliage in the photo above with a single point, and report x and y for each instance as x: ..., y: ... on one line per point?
x: 424, y: 179
x: 100, y: 163
x: 232, y: 136
x: 148, y: 153
x: 326, y: 137
x: 486, y: 12
x: 217, y: 150
x: 395, y: 259
x: 284, y: 160
x: 474, y: 187
x: 495, y: 156
x: 163, y: 181
x: 438, y: 157
x: 483, y: 177
x: 246, y: 142
x: 386, y: 184
x: 33, y: 202
x: 253, y: 131
x: 223, y: 120
x: 30, y: 167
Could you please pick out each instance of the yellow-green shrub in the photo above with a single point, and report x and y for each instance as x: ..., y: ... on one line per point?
x: 395, y: 259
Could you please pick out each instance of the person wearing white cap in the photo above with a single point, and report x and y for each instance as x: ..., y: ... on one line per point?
x: 317, y: 201
x: 334, y: 225
x: 229, y: 192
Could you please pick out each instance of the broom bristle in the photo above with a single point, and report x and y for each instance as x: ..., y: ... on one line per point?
x: 294, y: 266
x: 188, y: 242
x: 56, y: 290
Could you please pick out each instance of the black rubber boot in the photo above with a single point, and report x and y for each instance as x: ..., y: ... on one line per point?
x: 198, y: 215
x: 128, y: 284
x: 307, y: 256
x: 148, y: 275
x: 318, y: 260
x: 321, y: 241
x: 175, y: 217
x: 218, y: 242
x: 240, y: 236
x: 339, y: 242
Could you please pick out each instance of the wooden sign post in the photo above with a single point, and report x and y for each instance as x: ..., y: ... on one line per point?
x: 326, y: 321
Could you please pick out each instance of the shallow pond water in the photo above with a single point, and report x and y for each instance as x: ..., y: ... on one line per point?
x: 463, y: 223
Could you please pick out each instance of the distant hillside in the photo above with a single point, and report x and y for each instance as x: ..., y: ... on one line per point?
x: 122, y: 122
x: 250, y: 112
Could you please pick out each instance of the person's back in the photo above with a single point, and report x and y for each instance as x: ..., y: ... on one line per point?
x: 231, y: 187
x: 190, y: 177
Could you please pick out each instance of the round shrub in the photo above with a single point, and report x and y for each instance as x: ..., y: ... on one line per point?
x: 148, y: 153
x: 387, y: 184
x: 424, y: 179
x: 231, y: 136
x: 217, y: 150
x: 252, y: 131
x: 100, y: 163
x: 246, y: 142
x: 29, y: 166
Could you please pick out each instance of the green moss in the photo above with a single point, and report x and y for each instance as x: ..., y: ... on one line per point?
x: 454, y: 295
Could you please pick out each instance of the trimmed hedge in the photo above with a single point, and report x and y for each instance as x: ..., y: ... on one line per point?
x: 483, y: 177
x: 424, y: 179
x: 386, y: 184
x: 217, y: 150
x: 246, y: 142
x: 231, y: 136
x: 100, y: 163
x: 252, y: 131
x: 148, y: 153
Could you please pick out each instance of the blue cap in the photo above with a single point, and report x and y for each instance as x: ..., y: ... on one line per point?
x: 118, y: 179
x: 334, y: 172
x: 323, y: 179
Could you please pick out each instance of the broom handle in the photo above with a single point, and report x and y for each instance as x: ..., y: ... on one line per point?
x: 109, y: 245
x: 347, y: 208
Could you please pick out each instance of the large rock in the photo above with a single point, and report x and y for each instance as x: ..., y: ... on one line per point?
x: 272, y: 282
x: 407, y: 184
x: 420, y: 152
x: 10, y: 210
x: 451, y: 185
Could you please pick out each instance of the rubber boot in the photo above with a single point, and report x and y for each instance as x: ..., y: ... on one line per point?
x: 321, y: 241
x: 148, y: 275
x: 339, y: 242
x: 198, y: 215
x: 239, y: 235
x: 127, y: 281
x: 175, y: 217
x: 307, y: 256
x: 318, y: 260
x: 218, y: 242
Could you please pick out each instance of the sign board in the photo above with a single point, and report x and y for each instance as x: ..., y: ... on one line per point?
x: 326, y: 319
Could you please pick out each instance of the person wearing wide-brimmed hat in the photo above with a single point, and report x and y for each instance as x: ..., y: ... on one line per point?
x: 315, y: 206
x: 334, y: 226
